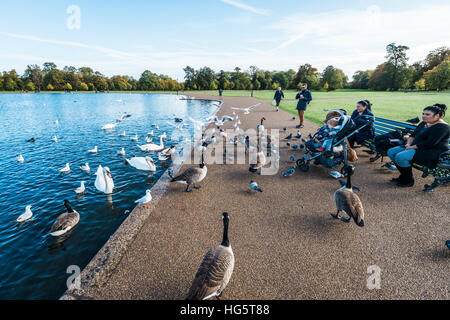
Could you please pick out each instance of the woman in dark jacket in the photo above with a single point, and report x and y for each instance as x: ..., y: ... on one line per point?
x: 429, y: 140
x: 360, y: 117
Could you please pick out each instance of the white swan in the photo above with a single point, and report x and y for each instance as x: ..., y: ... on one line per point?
x: 109, y: 126
x: 154, y: 147
x: 95, y: 150
x: 20, y: 158
x: 81, y: 189
x: 86, y: 167
x: 121, y: 152
x: 66, y: 169
x: 142, y: 163
x: 26, y: 215
x: 104, y: 181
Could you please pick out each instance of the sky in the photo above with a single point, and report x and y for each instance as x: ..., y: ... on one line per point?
x: 129, y: 37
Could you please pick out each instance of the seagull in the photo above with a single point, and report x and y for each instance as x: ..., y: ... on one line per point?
x: 123, y: 134
x: 145, y: 199
x: 289, y: 137
x: 247, y: 110
x: 150, y: 133
x: 86, y: 167
x: 55, y: 139
x: 148, y: 140
x: 335, y: 174
x: 66, y: 169
x: 26, y: 215
x: 20, y: 158
x: 121, y: 152
x: 81, y: 189
x: 343, y: 183
x: 95, y: 150
x: 289, y: 172
x: 135, y: 138
x: 254, y: 186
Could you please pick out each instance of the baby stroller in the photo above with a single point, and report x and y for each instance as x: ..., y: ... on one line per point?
x: 337, y: 154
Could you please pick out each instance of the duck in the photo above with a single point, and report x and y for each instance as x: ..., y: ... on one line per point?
x: 104, y: 181
x: 85, y: 167
x: 216, y: 269
x: 20, y: 158
x: 109, y: 126
x: 66, y: 169
x: 193, y: 175
x: 154, y: 147
x: 121, y: 152
x: 95, y: 150
x: 81, y: 189
x: 142, y: 163
x: 145, y: 199
x: 347, y: 200
x: 31, y: 140
x: 27, y: 215
x: 65, y: 221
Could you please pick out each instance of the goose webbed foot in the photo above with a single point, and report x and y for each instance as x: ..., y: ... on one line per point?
x: 188, y: 190
x: 336, y: 215
x: 343, y: 219
x: 197, y: 187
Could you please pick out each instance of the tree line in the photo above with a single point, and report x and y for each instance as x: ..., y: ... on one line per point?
x: 433, y: 73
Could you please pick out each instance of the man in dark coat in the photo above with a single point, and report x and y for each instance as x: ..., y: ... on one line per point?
x: 278, y: 96
x: 304, y: 97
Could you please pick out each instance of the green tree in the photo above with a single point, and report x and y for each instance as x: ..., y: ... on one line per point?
x: 33, y: 73
x: 48, y: 66
x: 189, y: 78
x: 50, y: 87
x: 438, y: 78
x: 307, y: 74
x: 335, y: 78
x: 83, y: 86
x: 361, y: 79
x: 29, y: 86
x: 436, y: 57
x: 397, y: 62
x: 67, y: 87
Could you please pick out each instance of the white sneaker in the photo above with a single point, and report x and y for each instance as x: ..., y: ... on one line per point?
x: 277, y: 109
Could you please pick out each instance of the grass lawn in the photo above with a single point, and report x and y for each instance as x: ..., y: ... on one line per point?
x: 399, y: 106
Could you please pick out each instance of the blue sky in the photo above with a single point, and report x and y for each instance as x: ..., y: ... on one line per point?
x: 128, y: 37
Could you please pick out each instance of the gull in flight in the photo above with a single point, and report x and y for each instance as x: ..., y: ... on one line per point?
x: 247, y: 110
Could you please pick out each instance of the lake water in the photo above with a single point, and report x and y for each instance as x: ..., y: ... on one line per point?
x: 33, y: 263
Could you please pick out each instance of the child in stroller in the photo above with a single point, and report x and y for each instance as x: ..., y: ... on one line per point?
x: 324, y: 137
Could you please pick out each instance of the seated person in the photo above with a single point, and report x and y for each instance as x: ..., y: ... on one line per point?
x: 426, y: 144
x: 332, y: 129
x: 368, y: 132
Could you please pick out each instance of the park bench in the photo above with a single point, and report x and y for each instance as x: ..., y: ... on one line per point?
x: 441, y: 173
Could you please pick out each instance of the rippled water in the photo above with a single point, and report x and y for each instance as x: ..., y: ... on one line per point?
x: 34, y: 264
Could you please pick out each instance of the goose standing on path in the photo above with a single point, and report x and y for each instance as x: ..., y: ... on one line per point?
x: 66, y: 169
x: 215, y: 270
x: 81, y: 189
x: 261, y: 126
x: 154, y: 147
x: 104, y: 181
x: 142, y: 163
x: 85, y: 167
x: 28, y: 214
x: 193, y: 175
x: 65, y: 221
x: 348, y: 201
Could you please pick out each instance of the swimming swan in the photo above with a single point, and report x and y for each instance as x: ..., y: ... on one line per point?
x: 104, y: 181
x: 142, y: 163
x: 154, y: 147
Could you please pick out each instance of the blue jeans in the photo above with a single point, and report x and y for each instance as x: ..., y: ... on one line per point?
x: 401, y: 157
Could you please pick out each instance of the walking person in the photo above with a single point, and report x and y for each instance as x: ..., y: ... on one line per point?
x: 304, y: 97
x: 278, y: 96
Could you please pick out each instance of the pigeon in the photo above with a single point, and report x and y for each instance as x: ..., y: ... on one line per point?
x: 170, y: 172
x: 145, y: 199
x: 289, y: 137
x: 292, y: 158
x: 447, y: 243
x: 254, y: 186
x: 389, y: 165
x: 302, y: 146
x: 343, y: 184
x: 288, y: 144
x: 295, y: 146
x: 293, y: 118
x: 335, y: 174
x: 414, y: 121
x: 284, y: 129
x: 289, y: 172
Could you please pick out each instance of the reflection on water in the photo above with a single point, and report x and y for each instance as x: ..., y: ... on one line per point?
x: 34, y: 263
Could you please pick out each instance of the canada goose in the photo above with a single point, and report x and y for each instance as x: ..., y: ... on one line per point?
x: 192, y: 175
x: 215, y: 270
x: 65, y: 221
x: 261, y: 126
x: 348, y: 201
x: 260, y: 160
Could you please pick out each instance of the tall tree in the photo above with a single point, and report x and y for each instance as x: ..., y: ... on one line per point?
x: 33, y: 73
x: 397, y: 60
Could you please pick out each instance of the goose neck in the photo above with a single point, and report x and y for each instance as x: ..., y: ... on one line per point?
x: 225, y: 240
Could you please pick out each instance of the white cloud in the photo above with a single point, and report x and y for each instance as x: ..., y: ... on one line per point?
x: 246, y: 7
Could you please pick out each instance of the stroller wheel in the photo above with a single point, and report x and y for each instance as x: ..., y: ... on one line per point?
x: 304, y: 167
x: 300, y: 162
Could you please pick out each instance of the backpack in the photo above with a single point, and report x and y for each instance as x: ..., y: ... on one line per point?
x: 383, y: 142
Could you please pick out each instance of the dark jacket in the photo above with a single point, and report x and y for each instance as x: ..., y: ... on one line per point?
x: 431, y: 142
x: 366, y: 133
x: 278, y: 95
x: 307, y: 98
